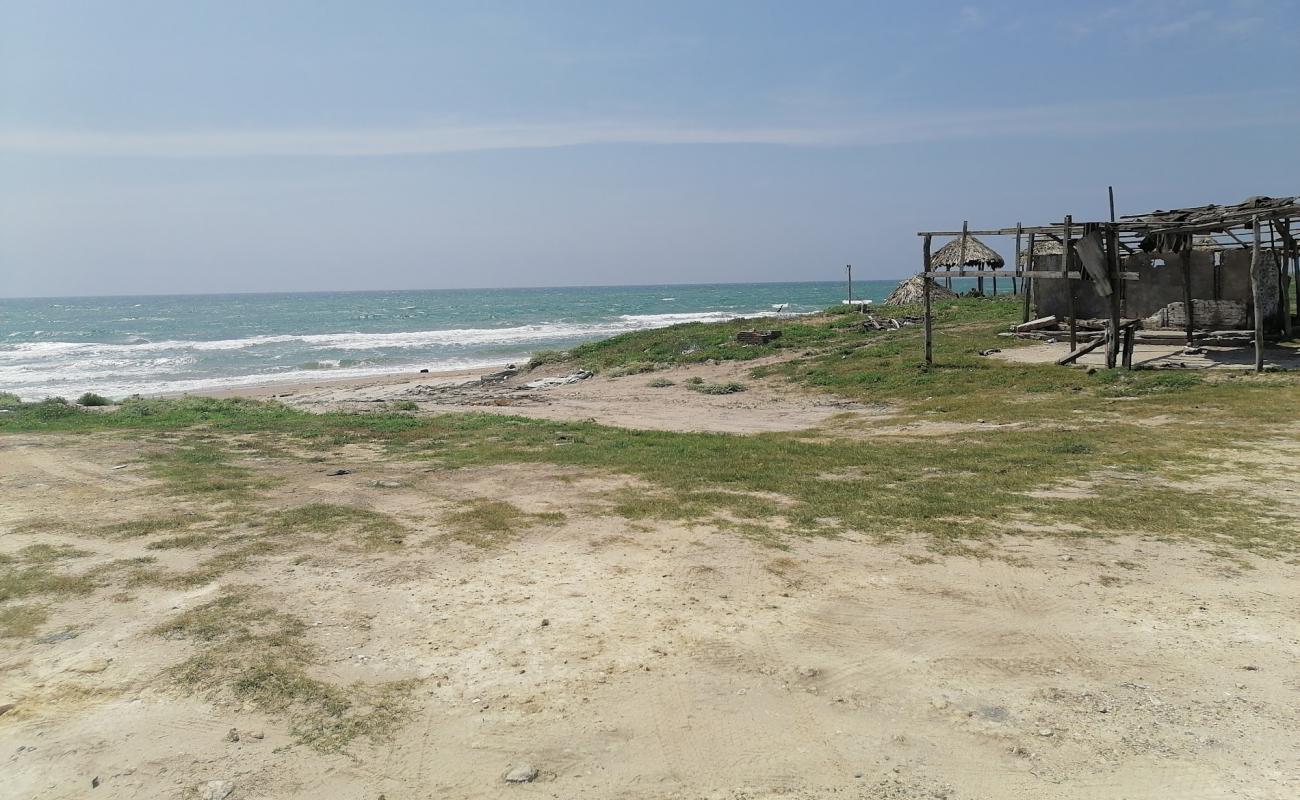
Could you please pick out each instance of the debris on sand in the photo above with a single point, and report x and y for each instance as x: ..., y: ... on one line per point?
x: 559, y: 380
x: 522, y: 773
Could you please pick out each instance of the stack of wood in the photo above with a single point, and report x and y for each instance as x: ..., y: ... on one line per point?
x: 757, y: 337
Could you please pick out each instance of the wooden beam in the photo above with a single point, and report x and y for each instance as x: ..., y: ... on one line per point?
x: 1186, y: 258
x: 1257, y: 292
x: 1067, y: 247
x: 1112, y: 261
x: 1083, y: 351
x: 1024, y: 280
x: 925, y: 293
x: 1279, y: 268
x: 1018, y: 266
x: 1038, y: 273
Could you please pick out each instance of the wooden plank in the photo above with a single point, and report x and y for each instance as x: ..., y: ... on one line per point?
x: 1083, y: 351
x: 1036, y: 324
x: 1027, y: 268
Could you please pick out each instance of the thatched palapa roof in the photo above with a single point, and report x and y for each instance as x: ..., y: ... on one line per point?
x: 1043, y: 247
x: 912, y: 292
x: 978, y: 254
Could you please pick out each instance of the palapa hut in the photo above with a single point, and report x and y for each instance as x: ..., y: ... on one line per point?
x: 911, y: 292
x: 1042, y: 247
x: 965, y: 253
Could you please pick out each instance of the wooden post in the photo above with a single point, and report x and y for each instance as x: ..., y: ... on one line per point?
x: 1066, y: 251
x: 848, y: 268
x: 1112, y: 261
x: 1257, y: 293
x: 925, y: 283
x: 1283, y: 296
x: 1017, y: 268
x: 1187, y: 291
x: 1024, y: 281
x: 961, y: 254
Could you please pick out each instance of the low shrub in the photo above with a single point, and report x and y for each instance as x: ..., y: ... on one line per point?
x: 92, y: 399
x: 542, y: 357
x: 660, y: 383
x: 730, y: 387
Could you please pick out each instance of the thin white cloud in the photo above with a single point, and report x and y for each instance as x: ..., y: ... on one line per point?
x: 1070, y: 120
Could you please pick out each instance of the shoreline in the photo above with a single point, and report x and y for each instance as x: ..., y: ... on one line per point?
x: 287, y: 388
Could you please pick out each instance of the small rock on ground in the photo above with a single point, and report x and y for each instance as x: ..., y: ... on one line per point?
x: 216, y: 790
x: 523, y: 773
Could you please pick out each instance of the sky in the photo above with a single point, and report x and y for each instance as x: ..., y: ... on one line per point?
x: 232, y: 146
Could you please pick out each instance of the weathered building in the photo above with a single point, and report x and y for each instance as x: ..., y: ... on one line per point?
x: 1203, y: 269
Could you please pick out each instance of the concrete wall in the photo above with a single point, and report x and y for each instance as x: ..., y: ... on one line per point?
x: 1157, y: 285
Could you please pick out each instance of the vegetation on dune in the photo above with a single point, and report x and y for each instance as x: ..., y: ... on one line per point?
x: 697, y: 342
x: 92, y: 399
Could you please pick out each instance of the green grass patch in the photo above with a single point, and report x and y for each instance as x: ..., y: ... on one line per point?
x: 19, y: 621
x: 149, y: 526
x: 17, y: 582
x: 259, y: 656
x: 374, y: 531
x: 730, y: 387
x: 204, y: 469
x: 491, y: 523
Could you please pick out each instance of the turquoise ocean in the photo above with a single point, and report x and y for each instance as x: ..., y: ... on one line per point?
x: 119, y: 346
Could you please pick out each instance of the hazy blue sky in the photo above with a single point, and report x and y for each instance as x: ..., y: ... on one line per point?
x: 154, y: 147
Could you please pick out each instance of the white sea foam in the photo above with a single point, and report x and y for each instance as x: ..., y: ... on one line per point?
x: 37, y: 369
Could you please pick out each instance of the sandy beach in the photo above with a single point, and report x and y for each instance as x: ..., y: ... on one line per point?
x: 394, y: 605
x: 623, y: 401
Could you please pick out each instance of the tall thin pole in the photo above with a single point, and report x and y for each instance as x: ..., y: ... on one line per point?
x: 1017, y: 268
x: 1112, y: 263
x: 1279, y: 266
x: 1024, y: 280
x: 1120, y: 287
x: 961, y: 256
x: 925, y: 293
x: 1190, y: 320
x: 1066, y: 250
x: 848, y: 268
x: 1257, y: 292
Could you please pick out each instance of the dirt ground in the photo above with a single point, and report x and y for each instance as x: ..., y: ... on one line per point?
x: 626, y: 401
x: 654, y: 660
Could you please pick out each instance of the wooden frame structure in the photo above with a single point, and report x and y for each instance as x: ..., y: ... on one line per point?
x: 1256, y: 224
